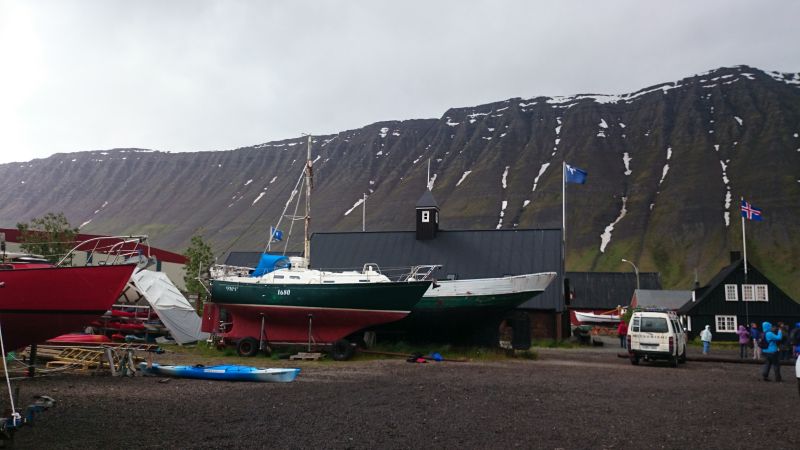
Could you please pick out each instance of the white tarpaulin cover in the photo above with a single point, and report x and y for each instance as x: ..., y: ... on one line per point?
x: 171, y: 306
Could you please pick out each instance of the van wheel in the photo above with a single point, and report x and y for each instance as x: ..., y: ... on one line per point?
x: 635, y: 360
x: 673, y: 361
x: 682, y: 358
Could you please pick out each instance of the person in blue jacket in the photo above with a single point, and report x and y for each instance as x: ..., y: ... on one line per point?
x: 773, y: 337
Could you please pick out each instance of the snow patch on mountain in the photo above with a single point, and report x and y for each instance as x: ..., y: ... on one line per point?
x: 432, y: 181
x: 463, y: 177
x: 626, y: 159
x: 542, y: 169
x: 605, y: 238
x: 260, y: 194
x: 359, y: 202
x: 503, y: 206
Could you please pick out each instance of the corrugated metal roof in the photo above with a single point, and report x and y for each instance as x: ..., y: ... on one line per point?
x: 607, y: 290
x: 465, y: 254
x: 646, y: 298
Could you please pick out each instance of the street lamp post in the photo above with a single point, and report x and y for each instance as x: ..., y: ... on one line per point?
x: 635, y: 270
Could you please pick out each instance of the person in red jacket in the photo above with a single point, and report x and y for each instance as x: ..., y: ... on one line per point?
x: 622, y: 331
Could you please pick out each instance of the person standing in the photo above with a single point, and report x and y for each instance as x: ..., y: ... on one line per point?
x: 784, y: 346
x: 705, y: 336
x: 794, y: 339
x: 773, y: 337
x: 755, y: 333
x: 744, y: 339
x: 622, y: 331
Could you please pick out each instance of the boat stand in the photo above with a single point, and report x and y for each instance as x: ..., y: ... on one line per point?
x: 262, y: 336
x: 310, y: 328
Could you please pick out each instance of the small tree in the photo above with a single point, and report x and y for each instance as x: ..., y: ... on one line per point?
x: 50, y: 236
x: 199, y: 260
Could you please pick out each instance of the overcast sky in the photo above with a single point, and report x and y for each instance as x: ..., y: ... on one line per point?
x: 191, y: 75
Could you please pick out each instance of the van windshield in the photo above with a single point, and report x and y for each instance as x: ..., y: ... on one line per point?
x: 654, y: 325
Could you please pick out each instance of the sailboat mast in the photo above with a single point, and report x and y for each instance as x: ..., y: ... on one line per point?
x: 309, y: 177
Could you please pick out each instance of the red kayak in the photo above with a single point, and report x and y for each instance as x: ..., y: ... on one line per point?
x: 79, y: 339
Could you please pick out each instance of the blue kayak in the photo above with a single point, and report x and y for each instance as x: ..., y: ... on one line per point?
x: 223, y: 372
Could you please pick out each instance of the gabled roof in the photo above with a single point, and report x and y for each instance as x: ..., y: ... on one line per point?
x: 607, y: 290
x: 464, y: 254
x: 674, y: 300
x: 702, y: 292
x: 427, y: 200
x: 710, y: 299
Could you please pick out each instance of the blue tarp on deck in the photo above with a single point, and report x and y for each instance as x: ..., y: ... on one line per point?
x: 268, y: 263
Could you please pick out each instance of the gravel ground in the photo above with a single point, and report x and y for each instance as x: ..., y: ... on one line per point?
x: 568, y: 398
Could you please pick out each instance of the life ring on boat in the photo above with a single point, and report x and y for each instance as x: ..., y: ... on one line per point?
x: 342, y: 350
x: 247, y: 347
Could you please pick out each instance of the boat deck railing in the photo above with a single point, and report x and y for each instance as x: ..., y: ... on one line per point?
x: 413, y: 273
x: 110, y: 250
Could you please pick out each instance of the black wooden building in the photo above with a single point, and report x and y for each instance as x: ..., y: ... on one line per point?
x: 603, y: 291
x: 732, y: 298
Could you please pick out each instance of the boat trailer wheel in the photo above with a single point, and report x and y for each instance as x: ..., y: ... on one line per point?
x: 247, y: 347
x: 342, y: 350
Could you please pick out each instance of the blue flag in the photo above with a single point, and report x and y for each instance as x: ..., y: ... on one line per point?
x: 275, y: 234
x: 750, y: 212
x: 575, y: 175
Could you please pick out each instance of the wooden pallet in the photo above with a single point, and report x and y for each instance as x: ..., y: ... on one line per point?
x: 73, y: 364
x: 305, y: 356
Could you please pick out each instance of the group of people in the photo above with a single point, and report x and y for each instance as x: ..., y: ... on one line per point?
x: 787, y: 344
x: 772, y: 342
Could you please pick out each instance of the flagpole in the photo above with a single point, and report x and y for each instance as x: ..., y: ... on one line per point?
x: 564, y: 232
x: 744, y: 252
x: 563, y: 203
x: 744, y: 244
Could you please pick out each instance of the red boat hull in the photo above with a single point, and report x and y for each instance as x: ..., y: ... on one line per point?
x: 41, y: 303
x: 287, y: 324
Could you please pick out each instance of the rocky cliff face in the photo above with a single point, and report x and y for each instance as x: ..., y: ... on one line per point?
x: 667, y: 166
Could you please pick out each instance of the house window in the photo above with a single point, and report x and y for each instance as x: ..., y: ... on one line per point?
x: 755, y: 293
x: 426, y: 216
x: 731, y: 293
x: 761, y: 293
x: 725, y: 324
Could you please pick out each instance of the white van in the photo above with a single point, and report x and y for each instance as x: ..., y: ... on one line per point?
x: 656, y: 334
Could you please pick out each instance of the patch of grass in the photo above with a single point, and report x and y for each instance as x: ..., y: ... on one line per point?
x: 553, y: 343
x: 400, y: 348
x: 381, y: 351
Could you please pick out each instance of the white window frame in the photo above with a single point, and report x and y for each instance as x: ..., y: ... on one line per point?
x: 755, y: 292
x: 748, y: 293
x: 725, y: 321
x: 731, y: 293
x: 426, y: 216
x: 761, y: 293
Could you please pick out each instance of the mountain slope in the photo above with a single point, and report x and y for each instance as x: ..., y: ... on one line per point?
x: 667, y: 166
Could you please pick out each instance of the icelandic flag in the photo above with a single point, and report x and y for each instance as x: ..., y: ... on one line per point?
x: 575, y: 175
x: 275, y: 234
x: 750, y: 212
